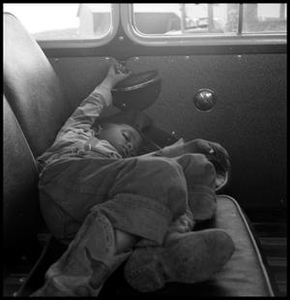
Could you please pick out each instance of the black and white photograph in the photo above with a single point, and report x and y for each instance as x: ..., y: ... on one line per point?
x: 144, y: 150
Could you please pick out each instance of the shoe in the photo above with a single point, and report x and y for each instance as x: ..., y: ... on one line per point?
x: 184, y: 257
x: 87, y: 263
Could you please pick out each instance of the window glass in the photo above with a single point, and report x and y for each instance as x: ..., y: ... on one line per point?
x: 189, y: 18
x: 157, y: 18
x: 211, y: 18
x: 264, y: 17
x: 219, y: 19
x: 64, y: 21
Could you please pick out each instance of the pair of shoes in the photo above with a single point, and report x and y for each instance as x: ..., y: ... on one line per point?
x: 185, y: 257
x: 87, y: 263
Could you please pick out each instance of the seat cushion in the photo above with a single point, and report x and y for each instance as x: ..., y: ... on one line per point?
x: 245, y: 273
x: 32, y: 87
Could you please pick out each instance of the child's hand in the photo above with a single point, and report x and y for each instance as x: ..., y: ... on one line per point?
x: 213, y: 151
x: 117, y: 73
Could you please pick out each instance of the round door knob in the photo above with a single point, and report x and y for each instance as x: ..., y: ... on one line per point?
x: 204, y: 99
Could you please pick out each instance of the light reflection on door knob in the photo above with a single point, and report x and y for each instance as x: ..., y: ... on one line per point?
x: 204, y: 99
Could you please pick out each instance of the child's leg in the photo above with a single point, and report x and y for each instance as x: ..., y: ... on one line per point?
x: 142, y: 204
x: 200, y: 176
x: 185, y: 256
x: 137, y: 195
x: 184, y: 223
x: 124, y: 241
x: 97, y: 250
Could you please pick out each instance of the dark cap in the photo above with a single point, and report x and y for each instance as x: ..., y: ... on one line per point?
x: 138, y: 91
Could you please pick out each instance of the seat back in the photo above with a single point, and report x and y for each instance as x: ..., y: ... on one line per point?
x: 35, y: 108
x: 32, y: 87
x: 21, y: 214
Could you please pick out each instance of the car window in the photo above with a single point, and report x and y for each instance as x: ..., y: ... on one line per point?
x: 66, y: 21
x: 85, y: 26
x: 197, y: 19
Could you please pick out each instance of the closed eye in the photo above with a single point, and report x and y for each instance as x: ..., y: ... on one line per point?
x: 125, y: 135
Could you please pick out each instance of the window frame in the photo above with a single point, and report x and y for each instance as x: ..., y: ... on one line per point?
x: 122, y: 42
x: 235, y: 39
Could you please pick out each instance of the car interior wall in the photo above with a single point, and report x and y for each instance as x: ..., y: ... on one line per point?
x: 249, y: 118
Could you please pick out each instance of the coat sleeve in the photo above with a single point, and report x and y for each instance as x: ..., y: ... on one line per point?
x: 89, y: 110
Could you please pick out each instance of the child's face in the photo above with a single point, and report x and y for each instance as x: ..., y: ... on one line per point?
x: 123, y: 137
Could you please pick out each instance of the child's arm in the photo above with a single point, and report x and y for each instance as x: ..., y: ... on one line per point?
x: 213, y: 151
x: 90, y: 109
x: 180, y: 147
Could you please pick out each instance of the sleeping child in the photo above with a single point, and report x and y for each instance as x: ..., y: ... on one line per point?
x: 109, y: 204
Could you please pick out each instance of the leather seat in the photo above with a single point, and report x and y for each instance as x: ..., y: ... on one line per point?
x: 32, y: 87
x: 21, y: 214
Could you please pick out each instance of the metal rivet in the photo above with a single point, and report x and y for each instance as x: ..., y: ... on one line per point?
x: 173, y: 132
x: 124, y: 104
x: 204, y: 99
x: 22, y: 279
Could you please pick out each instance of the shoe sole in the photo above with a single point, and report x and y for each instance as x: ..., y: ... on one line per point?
x: 157, y: 266
x: 148, y: 277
